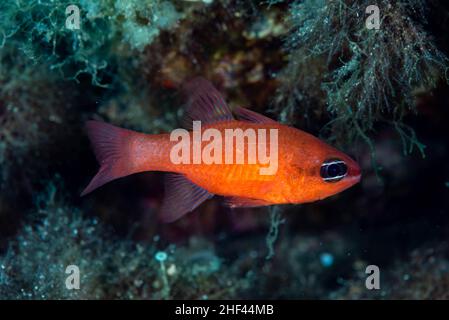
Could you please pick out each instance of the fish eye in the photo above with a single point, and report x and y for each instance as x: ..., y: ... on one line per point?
x: 333, y: 170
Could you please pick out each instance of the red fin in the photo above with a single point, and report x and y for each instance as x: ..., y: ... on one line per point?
x: 251, y: 116
x: 235, y: 202
x: 181, y: 197
x: 204, y: 103
x: 110, y: 145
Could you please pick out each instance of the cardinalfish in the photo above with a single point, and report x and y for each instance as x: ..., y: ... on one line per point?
x: 249, y: 159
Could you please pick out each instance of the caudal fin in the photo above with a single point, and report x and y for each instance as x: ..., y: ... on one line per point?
x: 112, y: 149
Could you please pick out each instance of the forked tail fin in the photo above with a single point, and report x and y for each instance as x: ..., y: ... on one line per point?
x: 112, y: 148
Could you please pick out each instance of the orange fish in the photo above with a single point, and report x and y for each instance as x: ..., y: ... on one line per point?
x: 303, y: 168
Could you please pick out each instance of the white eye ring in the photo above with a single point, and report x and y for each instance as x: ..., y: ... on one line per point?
x: 333, y: 170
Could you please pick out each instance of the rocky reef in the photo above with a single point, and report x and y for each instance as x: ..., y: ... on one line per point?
x: 377, y: 92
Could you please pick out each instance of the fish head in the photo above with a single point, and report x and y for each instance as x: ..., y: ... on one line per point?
x: 323, y: 172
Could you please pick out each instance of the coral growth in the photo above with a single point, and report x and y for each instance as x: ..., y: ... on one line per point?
x: 57, y: 236
x: 29, y: 113
x: 360, y: 76
x: 423, y: 275
x: 39, y: 30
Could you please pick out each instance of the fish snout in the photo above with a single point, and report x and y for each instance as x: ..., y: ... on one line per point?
x: 354, y: 172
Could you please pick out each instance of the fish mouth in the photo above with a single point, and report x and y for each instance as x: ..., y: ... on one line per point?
x: 355, y: 174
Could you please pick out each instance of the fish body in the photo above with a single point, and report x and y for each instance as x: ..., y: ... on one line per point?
x: 303, y: 162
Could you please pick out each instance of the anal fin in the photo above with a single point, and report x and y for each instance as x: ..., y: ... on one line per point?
x: 181, y: 197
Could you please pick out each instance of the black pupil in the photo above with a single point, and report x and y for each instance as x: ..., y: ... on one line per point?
x: 333, y: 170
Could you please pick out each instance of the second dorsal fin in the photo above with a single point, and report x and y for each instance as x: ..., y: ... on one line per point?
x: 204, y: 103
x: 251, y: 116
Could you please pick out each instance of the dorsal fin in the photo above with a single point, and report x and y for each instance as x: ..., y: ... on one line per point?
x: 181, y: 197
x: 204, y: 103
x: 251, y: 116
